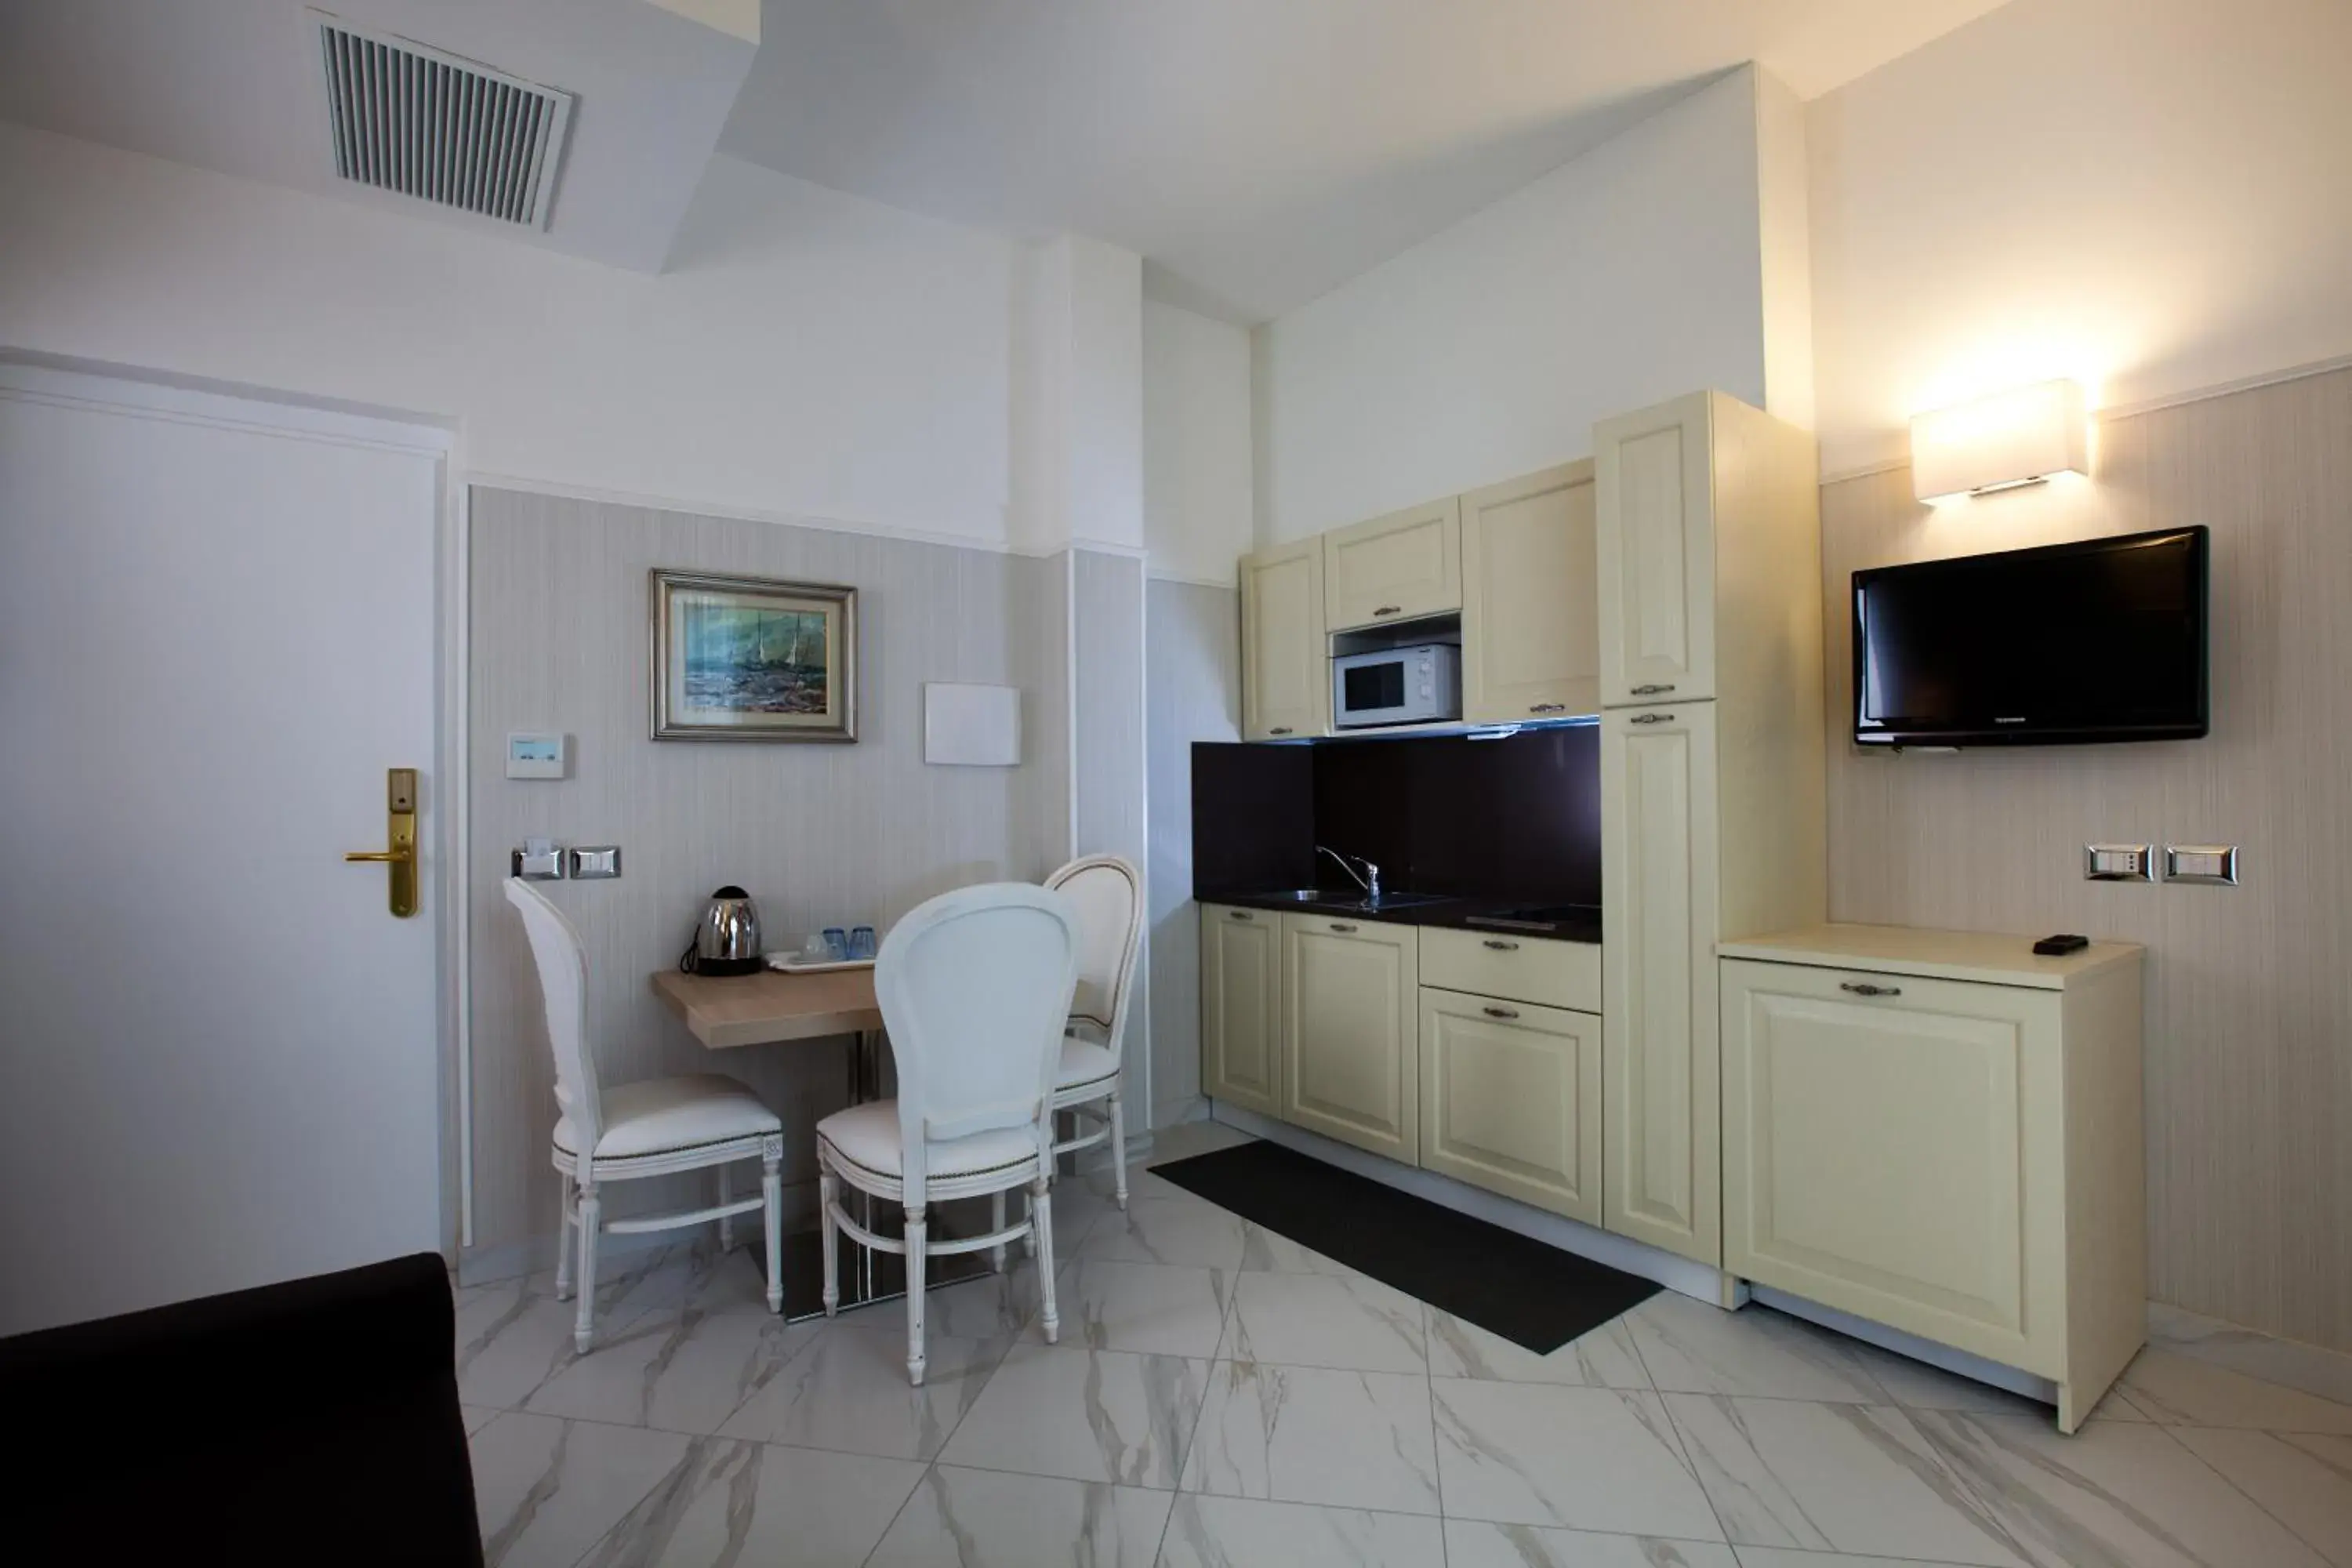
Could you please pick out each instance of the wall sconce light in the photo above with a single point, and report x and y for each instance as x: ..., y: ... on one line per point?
x: 1998, y: 443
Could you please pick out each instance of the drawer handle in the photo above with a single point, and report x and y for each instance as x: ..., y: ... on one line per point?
x: 1389, y: 610
x: 1864, y: 988
x: 1650, y: 719
x: 1279, y: 730
x: 1343, y: 930
x: 1651, y: 691
x: 1237, y: 914
x: 1547, y: 708
x: 1500, y: 1012
x: 1499, y: 945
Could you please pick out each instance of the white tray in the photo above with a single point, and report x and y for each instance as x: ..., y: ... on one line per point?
x: 797, y: 964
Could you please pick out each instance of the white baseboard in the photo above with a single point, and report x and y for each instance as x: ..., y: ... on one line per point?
x: 1677, y: 1274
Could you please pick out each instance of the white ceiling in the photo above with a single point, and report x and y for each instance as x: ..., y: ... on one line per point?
x: 236, y: 86
x: 1257, y: 153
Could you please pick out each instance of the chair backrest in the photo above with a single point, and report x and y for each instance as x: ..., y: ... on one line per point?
x: 563, y: 983
x: 1108, y: 893
x: 975, y: 990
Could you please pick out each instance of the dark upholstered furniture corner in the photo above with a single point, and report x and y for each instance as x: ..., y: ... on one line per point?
x: 314, y: 1422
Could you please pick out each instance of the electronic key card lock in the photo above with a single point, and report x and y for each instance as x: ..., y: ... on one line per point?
x: 398, y: 858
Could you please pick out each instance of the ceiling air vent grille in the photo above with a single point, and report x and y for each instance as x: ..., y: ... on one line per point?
x: 429, y: 125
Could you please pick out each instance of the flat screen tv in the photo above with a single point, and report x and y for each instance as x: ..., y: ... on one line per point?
x: 2101, y: 640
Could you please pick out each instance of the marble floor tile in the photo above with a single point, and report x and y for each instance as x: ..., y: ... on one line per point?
x: 848, y: 1391
x: 477, y: 1417
x: 1241, y: 1532
x: 1474, y: 1543
x: 1833, y: 1478
x: 2326, y: 1372
x: 1086, y: 1415
x: 1586, y: 1458
x: 1267, y: 1251
x: 1915, y: 1386
x: 682, y: 1369
x: 1789, y: 1557
x: 1153, y: 1230
x: 1147, y: 1307
x: 1187, y: 1139
x: 546, y: 1491
x: 1318, y: 1435
x: 1142, y: 1182
x: 2113, y: 1495
x: 1690, y: 1347
x: 993, y: 1307
x: 1325, y: 1320
x: 735, y: 1502
x: 2306, y: 1480
x: 985, y: 1519
x: 1603, y: 1358
x: 2176, y: 1390
x: 515, y: 1336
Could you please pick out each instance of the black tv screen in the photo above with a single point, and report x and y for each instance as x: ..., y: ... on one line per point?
x: 2102, y: 640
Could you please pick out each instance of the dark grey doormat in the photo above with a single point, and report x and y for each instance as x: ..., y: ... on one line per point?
x: 1537, y: 1296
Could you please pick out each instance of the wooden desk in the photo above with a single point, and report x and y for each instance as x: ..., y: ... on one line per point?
x: 727, y: 1011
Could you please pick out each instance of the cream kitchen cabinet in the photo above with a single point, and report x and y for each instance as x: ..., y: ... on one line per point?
x: 1941, y: 1133
x: 1659, y: 906
x: 1241, y: 1007
x: 1530, y: 599
x: 1286, y: 657
x: 1394, y: 568
x: 1351, y: 1063
x: 1510, y: 1099
x: 1656, y: 483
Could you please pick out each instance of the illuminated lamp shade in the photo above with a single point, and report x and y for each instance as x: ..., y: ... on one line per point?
x: 1998, y: 443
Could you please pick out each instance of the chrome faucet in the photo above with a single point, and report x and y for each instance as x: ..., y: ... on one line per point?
x: 1368, y: 879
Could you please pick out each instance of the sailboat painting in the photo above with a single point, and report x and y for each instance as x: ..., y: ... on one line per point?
x: 751, y: 659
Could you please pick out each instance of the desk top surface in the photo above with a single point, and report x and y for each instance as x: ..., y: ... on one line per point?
x: 727, y: 1011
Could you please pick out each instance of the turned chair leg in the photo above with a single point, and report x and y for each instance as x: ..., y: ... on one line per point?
x: 828, y: 1190
x: 1041, y: 1220
x: 726, y: 1221
x: 917, y: 1241
x: 996, y: 1223
x: 1118, y: 1148
x: 591, y: 1218
x: 563, y: 1239
x: 771, y: 1196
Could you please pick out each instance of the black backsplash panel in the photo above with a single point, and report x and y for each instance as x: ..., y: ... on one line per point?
x: 1515, y: 819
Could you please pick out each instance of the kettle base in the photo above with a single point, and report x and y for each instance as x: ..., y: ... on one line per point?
x: 720, y: 967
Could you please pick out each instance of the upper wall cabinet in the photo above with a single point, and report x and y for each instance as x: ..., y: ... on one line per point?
x: 1654, y: 476
x: 1286, y: 657
x: 1395, y: 567
x: 1530, y: 605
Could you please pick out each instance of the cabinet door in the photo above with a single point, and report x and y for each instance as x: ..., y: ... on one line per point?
x: 1655, y: 536
x: 1530, y: 598
x: 1395, y: 567
x: 1900, y: 1156
x: 1510, y: 1099
x: 1352, y: 1068
x: 1286, y: 660
x: 1241, y: 1007
x: 1662, y: 1133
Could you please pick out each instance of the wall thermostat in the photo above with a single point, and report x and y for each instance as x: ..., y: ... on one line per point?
x: 534, y: 754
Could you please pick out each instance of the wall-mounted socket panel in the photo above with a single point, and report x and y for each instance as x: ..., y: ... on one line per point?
x: 538, y: 860
x: 594, y: 862
x: 2213, y: 864
x: 2120, y: 862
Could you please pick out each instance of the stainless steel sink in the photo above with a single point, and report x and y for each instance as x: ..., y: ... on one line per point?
x: 1350, y: 898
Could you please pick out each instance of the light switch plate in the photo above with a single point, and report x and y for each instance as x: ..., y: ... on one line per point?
x: 2215, y: 865
x: 2120, y: 862
x: 594, y: 862
x: 537, y: 755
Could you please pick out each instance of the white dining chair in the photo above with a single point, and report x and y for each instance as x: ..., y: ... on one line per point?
x: 975, y: 986
x: 655, y: 1127
x: 1108, y: 893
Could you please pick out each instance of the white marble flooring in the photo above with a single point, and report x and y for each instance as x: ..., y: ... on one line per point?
x: 1220, y: 1396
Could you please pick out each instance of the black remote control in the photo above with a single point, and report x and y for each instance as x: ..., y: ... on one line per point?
x: 2059, y: 946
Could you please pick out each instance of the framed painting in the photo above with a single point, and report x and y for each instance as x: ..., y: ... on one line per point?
x: 753, y: 659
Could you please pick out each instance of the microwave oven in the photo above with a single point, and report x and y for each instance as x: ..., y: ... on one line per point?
x: 1419, y: 685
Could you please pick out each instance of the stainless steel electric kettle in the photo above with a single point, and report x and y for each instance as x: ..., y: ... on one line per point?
x: 727, y: 937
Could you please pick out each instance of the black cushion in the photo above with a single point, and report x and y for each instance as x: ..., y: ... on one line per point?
x: 310, y: 1421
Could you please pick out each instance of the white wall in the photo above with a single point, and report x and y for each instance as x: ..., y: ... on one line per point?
x: 2149, y: 195
x: 1198, y: 511
x: 809, y: 354
x: 1626, y: 277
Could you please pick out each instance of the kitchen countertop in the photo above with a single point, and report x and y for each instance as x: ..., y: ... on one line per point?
x: 1460, y: 914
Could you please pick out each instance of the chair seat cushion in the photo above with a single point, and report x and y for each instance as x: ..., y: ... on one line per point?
x: 867, y: 1136
x: 662, y: 1115
x: 1084, y: 1062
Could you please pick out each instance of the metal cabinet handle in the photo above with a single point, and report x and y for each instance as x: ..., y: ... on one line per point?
x: 1279, y: 730
x: 1547, y: 708
x: 1863, y: 988
x: 1651, y: 719
x: 1342, y: 930
x: 1651, y: 691
x: 1237, y: 914
x: 1499, y: 945
x: 1500, y: 1012
x: 1389, y: 610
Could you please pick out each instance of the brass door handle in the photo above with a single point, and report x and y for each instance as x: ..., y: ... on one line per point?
x: 400, y: 834
x: 398, y: 856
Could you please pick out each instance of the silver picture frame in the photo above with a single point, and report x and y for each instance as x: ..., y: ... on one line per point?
x: 751, y: 659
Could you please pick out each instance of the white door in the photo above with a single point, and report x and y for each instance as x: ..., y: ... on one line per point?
x: 222, y: 1052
